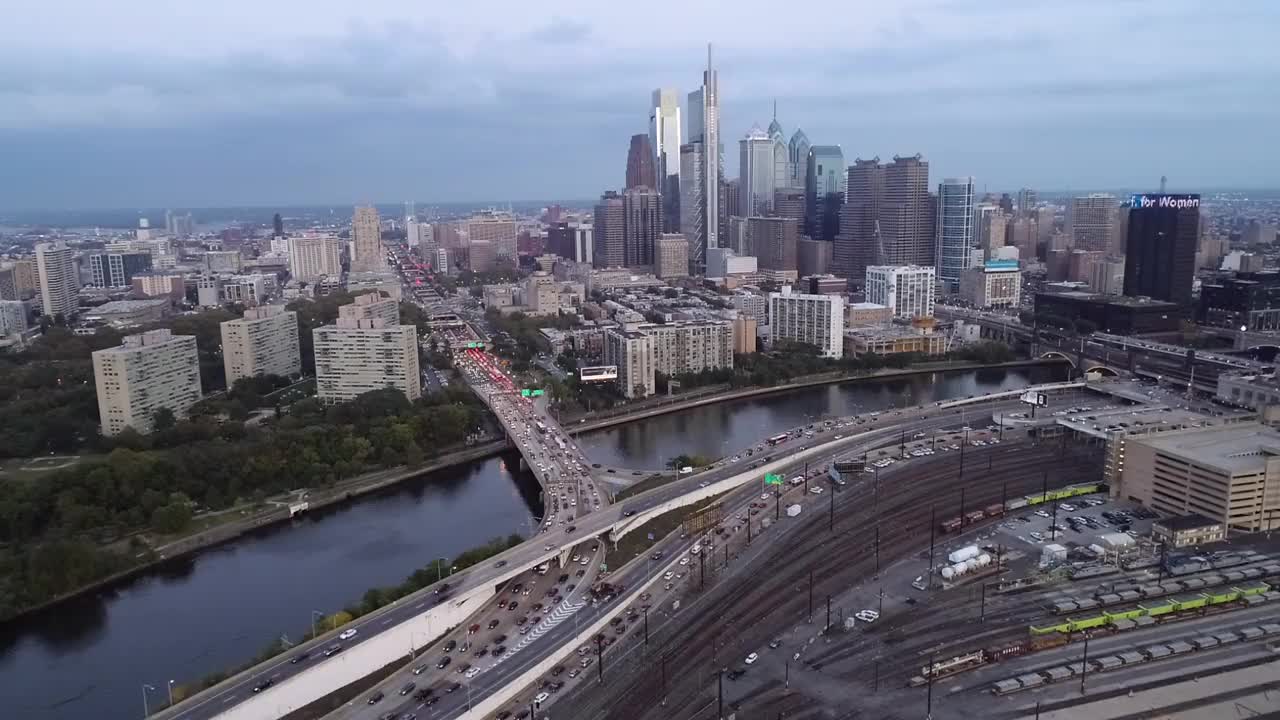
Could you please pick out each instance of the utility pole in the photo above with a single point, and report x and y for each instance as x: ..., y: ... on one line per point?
x: 933, y: 526
x: 702, y: 571
x: 982, y: 614
x: 720, y: 694
x: 831, y: 519
x: 811, y: 597
x: 1054, y: 528
x: 646, y: 626
x: 748, y: 529
x: 902, y: 445
x: 929, y: 700
x: 961, y: 506
x: 1084, y: 664
x: 877, y: 546
x: 827, y: 627
x: 600, y: 658
x: 777, y: 505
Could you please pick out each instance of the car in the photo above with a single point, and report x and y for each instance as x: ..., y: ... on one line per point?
x: 557, y: 670
x: 449, y: 646
x: 512, y: 607
x: 263, y: 685
x: 815, y: 490
x: 423, y: 694
x: 420, y: 669
x: 571, y: 528
x: 574, y: 672
x: 473, y: 629
x: 774, y: 643
x: 628, y: 513
x: 444, y: 662
x: 500, y: 564
x: 453, y: 687
x: 375, y: 698
x: 541, y: 698
x: 443, y: 588
x: 499, y: 650
x: 471, y: 672
x: 751, y: 658
x: 348, y: 634
x: 499, y: 639
x: 868, y: 615
x: 408, y: 687
x: 332, y: 650
x: 463, y: 668
x: 299, y: 658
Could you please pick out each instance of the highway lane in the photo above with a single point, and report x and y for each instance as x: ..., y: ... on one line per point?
x: 881, y: 429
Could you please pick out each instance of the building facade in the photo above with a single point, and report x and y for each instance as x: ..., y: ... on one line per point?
x: 1160, y: 251
x: 816, y: 320
x: 149, y: 371
x: 372, y: 306
x: 59, y: 280
x: 906, y: 213
x: 824, y: 190
x: 263, y: 342
x: 632, y: 352
x: 907, y: 290
x: 704, y: 131
x: 366, y: 239
x: 1091, y: 222
x: 499, y: 229
x: 642, y: 224
x: 315, y: 256
x: 998, y: 284
x: 610, y: 231
x: 354, y: 357
x: 672, y: 256
x: 756, y: 173
x: 664, y: 137
x: 116, y: 270
x: 857, y: 245
x: 690, y: 347
x: 640, y: 169
x: 773, y: 242
x: 955, y: 230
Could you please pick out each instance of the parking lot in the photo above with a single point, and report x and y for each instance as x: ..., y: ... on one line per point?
x: 1081, y: 521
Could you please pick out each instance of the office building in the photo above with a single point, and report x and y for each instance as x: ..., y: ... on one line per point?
x: 481, y: 255
x: 813, y: 257
x: 1160, y: 257
x: 773, y: 242
x: 59, y: 280
x: 354, y: 357
x: 496, y: 228
x: 366, y: 239
x: 223, y: 261
x: 664, y: 137
x: 160, y: 284
x: 751, y: 305
x: 757, y: 174
x: 641, y: 225
x: 907, y: 290
x: 610, y: 231
x: 857, y: 245
x: 798, y: 159
x: 996, y: 284
x: 1091, y: 222
x: 956, y: 239
x: 9, y: 283
x: 823, y: 284
x: 781, y: 153
x: 571, y: 240
x: 906, y: 213
x: 1229, y: 474
x: 541, y: 294
x: 991, y: 224
x: 816, y: 320
x: 640, y: 170
x: 744, y: 334
x: 1027, y: 201
x: 672, y: 256
x: 116, y: 270
x: 704, y: 136
x: 1256, y: 392
x: 263, y: 342
x: 1119, y: 315
x: 723, y: 262
x: 632, y: 353
x: 372, y: 306
x: 1021, y: 233
x: 1249, y: 300
x: 867, y: 314
x: 314, y: 256
x: 147, y: 372
x: 1106, y: 276
x: 13, y: 317
x: 690, y: 346
x: 1259, y: 233
x: 824, y: 190
x: 788, y: 202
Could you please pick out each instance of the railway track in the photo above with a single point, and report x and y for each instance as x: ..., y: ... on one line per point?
x: 753, y: 606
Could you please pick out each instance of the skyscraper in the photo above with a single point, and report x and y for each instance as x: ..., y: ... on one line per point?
x: 955, y: 230
x: 693, y: 222
x: 781, y: 153
x: 1091, y: 221
x: 1027, y: 200
x: 664, y: 137
x: 1160, y: 257
x: 757, y: 172
x: 704, y: 128
x: 789, y: 203
x: 277, y: 225
x: 609, y: 231
x: 59, y: 281
x: 113, y: 270
x: 906, y: 213
x: 312, y: 256
x: 797, y: 158
x: 642, y: 224
x: 263, y: 342
x: 640, y: 170
x: 824, y: 191
x: 366, y: 238
x: 857, y: 245
x: 773, y: 242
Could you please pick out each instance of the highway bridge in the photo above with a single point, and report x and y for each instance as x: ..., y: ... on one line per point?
x: 388, y: 637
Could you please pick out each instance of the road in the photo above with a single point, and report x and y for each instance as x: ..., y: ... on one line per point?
x: 865, y: 431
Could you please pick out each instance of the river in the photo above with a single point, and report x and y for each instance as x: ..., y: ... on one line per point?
x: 91, y: 657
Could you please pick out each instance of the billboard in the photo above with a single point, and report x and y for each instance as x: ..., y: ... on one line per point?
x: 1164, y: 201
x: 598, y: 373
x: 1000, y: 265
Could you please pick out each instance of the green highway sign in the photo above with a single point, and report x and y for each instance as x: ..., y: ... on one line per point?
x: 531, y: 393
x: 772, y: 479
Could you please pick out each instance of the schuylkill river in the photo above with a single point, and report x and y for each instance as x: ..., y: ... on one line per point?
x: 90, y: 657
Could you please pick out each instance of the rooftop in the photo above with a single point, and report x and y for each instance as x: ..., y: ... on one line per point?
x: 1235, y: 449
x: 1121, y: 300
x: 1192, y: 521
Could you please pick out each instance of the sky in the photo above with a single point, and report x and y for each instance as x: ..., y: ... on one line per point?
x: 153, y: 103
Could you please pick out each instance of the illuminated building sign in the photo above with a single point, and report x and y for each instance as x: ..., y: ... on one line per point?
x: 1162, y: 202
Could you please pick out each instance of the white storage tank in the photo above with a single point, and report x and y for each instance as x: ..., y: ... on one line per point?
x: 964, y: 553
x: 984, y: 560
x: 947, y: 572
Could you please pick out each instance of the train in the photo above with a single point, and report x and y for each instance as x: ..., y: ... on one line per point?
x: 1118, y: 593
x: 1158, y: 610
x: 996, y: 510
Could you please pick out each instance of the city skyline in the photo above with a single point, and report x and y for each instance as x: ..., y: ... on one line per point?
x: 280, y: 113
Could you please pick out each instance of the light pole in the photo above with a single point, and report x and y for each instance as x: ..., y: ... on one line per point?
x: 314, y: 613
x: 146, y: 711
x: 170, y: 693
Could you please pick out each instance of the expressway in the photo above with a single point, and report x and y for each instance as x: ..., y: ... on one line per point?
x: 303, y: 674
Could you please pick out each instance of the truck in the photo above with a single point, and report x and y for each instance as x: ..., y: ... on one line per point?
x: 793, y: 510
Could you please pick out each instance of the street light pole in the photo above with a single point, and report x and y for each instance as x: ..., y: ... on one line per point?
x: 170, y: 693
x: 146, y: 711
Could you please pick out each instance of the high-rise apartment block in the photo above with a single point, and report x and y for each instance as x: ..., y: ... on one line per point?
x: 9, y: 283
x: 672, y: 256
x: 640, y: 169
x: 955, y: 230
x: 160, y: 284
x: 1160, y: 261
x: 816, y: 320
x: 1091, y: 222
x: 642, y: 224
x: 13, y: 317
x: 496, y: 228
x: 824, y: 188
x: 149, y: 371
x: 632, y: 352
x: 356, y: 356
x: 372, y: 306
x: 59, y: 280
x: 366, y: 239
x: 610, y: 231
x: 907, y: 290
x: 690, y: 347
x: 263, y: 342
x: 664, y: 137
x: 115, y: 270
x: 315, y: 256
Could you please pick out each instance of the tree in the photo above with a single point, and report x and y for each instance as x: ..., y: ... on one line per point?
x: 163, y: 419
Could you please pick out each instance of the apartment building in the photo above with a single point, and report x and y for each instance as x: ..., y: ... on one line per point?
x: 149, y: 371
x: 355, y: 356
x: 632, y: 352
x: 907, y: 290
x: 816, y: 320
x: 372, y: 306
x: 263, y: 342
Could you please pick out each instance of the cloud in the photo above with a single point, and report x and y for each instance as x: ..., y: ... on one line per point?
x: 561, y: 31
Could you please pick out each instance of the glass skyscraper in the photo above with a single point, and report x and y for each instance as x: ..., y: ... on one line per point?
x: 955, y: 230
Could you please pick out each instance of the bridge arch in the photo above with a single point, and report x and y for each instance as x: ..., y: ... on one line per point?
x: 1055, y: 355
x: 1103, y: 370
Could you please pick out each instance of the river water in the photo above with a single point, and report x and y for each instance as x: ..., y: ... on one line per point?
x: 90, y: 658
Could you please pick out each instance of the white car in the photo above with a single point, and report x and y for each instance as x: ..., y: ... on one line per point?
x: 348, y: 634
x: 669, y: 574
x: 751, y: 658
x: 472, y: 673
x: 684, y: 561
x: 815, y: 490
x: 868, y: 615
x: 541, y: 698
x: 764, y: 496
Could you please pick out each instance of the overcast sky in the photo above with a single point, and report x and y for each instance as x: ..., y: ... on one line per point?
x: 145, y: 103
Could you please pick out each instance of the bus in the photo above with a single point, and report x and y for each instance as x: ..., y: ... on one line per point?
x: 541, y: 428
x: 777, y: 439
